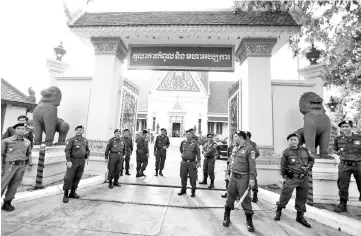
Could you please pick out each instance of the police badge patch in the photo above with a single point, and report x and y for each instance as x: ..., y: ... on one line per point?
x: 67, y: 142
x: 253, y: 155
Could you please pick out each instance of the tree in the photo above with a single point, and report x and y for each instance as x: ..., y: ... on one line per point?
x: 321, y: 24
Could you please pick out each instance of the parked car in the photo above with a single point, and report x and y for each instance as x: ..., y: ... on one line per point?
x: 222, y: 148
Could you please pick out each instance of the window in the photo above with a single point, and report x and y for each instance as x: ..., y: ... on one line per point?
x: 219, y: 128
x: 199, y: 126
x: 137, y: 125
x: 210, y: 127
x: 153, y: 124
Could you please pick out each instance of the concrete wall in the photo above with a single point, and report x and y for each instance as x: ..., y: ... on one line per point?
x: 11, y: 115
x: 75, y: 101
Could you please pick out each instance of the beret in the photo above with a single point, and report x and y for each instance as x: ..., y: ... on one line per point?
x: 345, y: 122
x: 248, y: 133
x: 19, y: 125
x: 117, y: 130
x: 145, y: 131
x: 163, y: 129
x: 23, y: 116
x: 190, y: 130
x: 292, y: 135
x: 209, y: 135
x: 79, y: 126
x: 241, y: 134
x: 126, y: 130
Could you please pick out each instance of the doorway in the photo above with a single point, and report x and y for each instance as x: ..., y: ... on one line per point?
x: 176, y: 130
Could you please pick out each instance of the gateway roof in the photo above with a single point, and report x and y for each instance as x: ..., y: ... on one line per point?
x: 11, y: 95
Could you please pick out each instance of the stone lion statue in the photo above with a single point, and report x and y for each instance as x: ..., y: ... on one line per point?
x: 45, y: 118
x: 317, y: 126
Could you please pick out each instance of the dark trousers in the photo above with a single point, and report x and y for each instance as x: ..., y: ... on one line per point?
x: 237, y: 187
x: 191, y: 169
x: 302, y: 187
x: 160, y: 159
x: 11, y: 179
x: 127, y: 160
x: 114, y: 166
x: 208, y: 167
x: 73, y: 175
x: 142, y: 163
x: 255, y: 188
x: 344, y: 176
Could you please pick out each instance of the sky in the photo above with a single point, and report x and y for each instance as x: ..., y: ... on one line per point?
x: 31, y: 29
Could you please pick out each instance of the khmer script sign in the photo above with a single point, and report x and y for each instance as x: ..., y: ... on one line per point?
x: 181, y: 57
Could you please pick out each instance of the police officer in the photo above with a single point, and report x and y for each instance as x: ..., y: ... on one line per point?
x: 28, y: 132
x: 15, y: 156
x: 142, y: 154
x: 76, y: 151
x: 115, y: 150
x: 128, y: 151
x: 229, y: 153
x: 160, y: 150
x: 209, y: 149
x: 243, y: 167
x: 255, y: 148
x: 348, y: 146
x: 296, y: 162
x: 190, y: 162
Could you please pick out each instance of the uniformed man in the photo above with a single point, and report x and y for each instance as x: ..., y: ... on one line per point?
x: 28, y: 132
x: 15, y: 158
x: 190, y: 162
x: 128, y: 151
x: 209, y: 151
x: 115, y: 150
x: 296, y: 162
x: 228, y: 173
x: 243, y: 168
x: 348, y: 147
x: 142, y: 154
x: 76, y: 151
x: 255, y: 148
x: 160, y: 150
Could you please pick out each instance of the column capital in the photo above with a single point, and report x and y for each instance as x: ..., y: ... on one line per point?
x: 109, y: 46
x: 314, y: 71
x: 255, y: 47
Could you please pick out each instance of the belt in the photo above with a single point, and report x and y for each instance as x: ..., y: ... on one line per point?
x: 238, y: 176
x: 189, y: 160
x: 300, y: 176
x: 161, y: 149
x: 18, y: 162
x: 116, y: 152
x: 351, y: 163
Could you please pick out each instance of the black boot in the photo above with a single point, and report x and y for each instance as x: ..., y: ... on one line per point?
x: 342, y: 207
x: 66, y: 198
x: 73, y: 194
x: 255, y: 198
x: 160, y: 173
x: 204, y: 179
x: 278, y: 213
x: 127, y: 172
x: 227, y: 216
x: 110, y: 183
x: 212, y: 184
x: 116, y: 183
x: 224, y: 195
x: 193, y: 192
x: 250, y: 226
x: 183, y: 191
x: 121, y: 173
x: 138, y: 174
x: 156, y: 172
x: 301, y: 219
x: 142, y: 174
x: 7, y: 206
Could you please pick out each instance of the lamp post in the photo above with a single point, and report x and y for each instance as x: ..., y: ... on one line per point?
x: 313, y: 55
x: 332, y: 104
x: 59, y: 51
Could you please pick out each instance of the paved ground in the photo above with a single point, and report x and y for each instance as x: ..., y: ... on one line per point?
x: 147, y: 210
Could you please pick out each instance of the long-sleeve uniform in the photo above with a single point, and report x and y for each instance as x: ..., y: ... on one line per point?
x: 76, y: 151
x: 28, y: 134
x: 349, y: 149
x: 255, y: 148
x: 291, y: 162
x: 190, y: 158
x: 142, y: 151
x: 209, y: 161
x: 161, y: 154
x: 128, y: 152
x: 15, y: 155
x: 115, y: 151
x: 243, y: 168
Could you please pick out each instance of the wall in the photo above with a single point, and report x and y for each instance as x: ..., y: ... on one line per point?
x: 75, y: 100
x: 11, y: 115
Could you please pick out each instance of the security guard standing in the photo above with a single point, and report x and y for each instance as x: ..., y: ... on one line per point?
x: 348, y: 146
x: 255, y: 148
x: 28, y: 132
x: 128, y: 151
x: 76, y: 151
x: 15, y: 156
x: 243, y: 174
x: 296, y: 162
x: 160, y: 151
x: 115, y: 150
x: 142, y: 154
x: 190, y: 162
x: 228, y: 173
x: 209, y: 149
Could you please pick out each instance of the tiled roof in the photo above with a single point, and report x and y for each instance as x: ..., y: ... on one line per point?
x: 185, y: 18
x: 218, y: 98
x: 10, y: 94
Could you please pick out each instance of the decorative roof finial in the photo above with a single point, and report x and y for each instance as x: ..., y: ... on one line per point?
x: 59, y: 51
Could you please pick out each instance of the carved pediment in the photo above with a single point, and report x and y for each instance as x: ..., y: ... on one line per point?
x: 178, y: 81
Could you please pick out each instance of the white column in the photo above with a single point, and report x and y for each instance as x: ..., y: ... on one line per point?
x: 56, y: 69
x: 104, y: 100
x: 316, y: 74
x: 255, y: 99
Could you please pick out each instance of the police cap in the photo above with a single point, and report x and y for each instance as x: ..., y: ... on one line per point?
x: 19, y: 125
x: 241, y: 134
x: 162, y: 129
x: 126, y: 130
x: 209, y: 135
x: 345, y: 122
x: 292, y: 135
x: 248, y: 134
x: 79, y: 127
x: 145, y: 131
x: 117, y: 130
x: 22, y: 116
x: 189, y: 131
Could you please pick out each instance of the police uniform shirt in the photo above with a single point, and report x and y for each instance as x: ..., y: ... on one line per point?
x: 116, y: 146
x: 77, y: 147
x: 128, y: 142
x: 255, y: 148
x: 244, y: 161
x: 190, y: 150
x: 291, y: 158
x: 13, y: 149
x: 210, y: 149
x: 349, y: 148
x: 161, y: 141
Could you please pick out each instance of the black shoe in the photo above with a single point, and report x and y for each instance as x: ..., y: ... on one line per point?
x: 224, y: 195
x: 193, y: 193
x: 342, y: 207
x: 183, y: 191
x: 73, y: 194
x: 278, y: 213
x: 116, y: 183
x: 127, y: 172
x: 160, y: 173
x: 110, y: 184
x: 204, y: 181
x: 255, y: 198
x: 7, y: 206
x: 121, y: 173
x: 212, y: 184
x: 156, y: 172
x: 142, y: 174
x: 301, y: 219
x: 227, y: 217
x: 250, y: 226
x: 66, y: 198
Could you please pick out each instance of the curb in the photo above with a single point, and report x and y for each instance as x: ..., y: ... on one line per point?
x: 328, y: 218
x: 170, y: 186
x: 54, y: 190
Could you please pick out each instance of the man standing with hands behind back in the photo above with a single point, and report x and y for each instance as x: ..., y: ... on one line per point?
x: 160, y: 150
